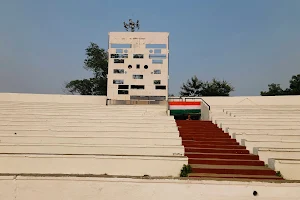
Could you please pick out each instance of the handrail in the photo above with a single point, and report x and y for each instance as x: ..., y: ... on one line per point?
x: 134, y: 102
x: 177, y: 98
x: 107, y: 101
x: 192, y: 98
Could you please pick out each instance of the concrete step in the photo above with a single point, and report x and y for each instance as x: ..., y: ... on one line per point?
x: 215, y: 161
x: 211, y: 139
x: 221, y: 142
x: 216, y: 150
x: 77, y: 149
x: 234, y: 176
x: 214, y: 146
x: 119, y: 133
x: 90, y: 164
x: 221, y: 135
x: 222, y: 156
x: 89, y: 140
x: 232, y: 169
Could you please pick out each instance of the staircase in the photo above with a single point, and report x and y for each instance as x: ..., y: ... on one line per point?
x: 214, y: 154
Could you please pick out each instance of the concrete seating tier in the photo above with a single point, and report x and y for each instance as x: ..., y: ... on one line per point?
x: 288, y: 167
x: 266, y: 137
x: 90, y: 164
x: 270, y: 131
x: 79, y: 138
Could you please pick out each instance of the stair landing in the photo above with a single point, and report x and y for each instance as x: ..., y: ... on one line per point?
x: 214, y: 154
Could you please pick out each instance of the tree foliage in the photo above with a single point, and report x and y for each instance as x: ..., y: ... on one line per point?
x: 276, y: 90
x: 96, y: 62
x: 195, y: 87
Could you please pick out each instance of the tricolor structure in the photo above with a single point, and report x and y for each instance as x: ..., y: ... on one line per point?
x: 181, y: 108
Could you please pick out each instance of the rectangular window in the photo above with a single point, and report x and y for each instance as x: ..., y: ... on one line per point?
x: 120, y: 46
x: 119, y: 55
x: 157, y: 71
x: 126, y: 87
x: 118, y: 71
x: 137, y: 76
x: 118, y: 81
x: 157, y: 82
x: 122, y: 91
x: 119, y: 50
x: 118, y: 60
x: 160, y: 87
x: 157, y: 61
x: 137, y: 66
x: 138, y: 87
x: 157, y: 51
x: 156, y: 46
x: 158, y: 56
x: 138, y: 55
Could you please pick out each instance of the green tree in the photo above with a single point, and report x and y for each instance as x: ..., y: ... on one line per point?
x: 275, y: 89
x: 195, y: 87
x: 294, y: 85
x: 96, y: 62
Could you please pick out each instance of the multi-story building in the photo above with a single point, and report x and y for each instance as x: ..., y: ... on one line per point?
x: 138, y: 65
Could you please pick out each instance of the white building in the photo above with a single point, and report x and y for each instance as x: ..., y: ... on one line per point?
x: 138, y: 65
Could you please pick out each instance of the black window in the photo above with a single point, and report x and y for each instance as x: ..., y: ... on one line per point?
x: 122, y: 91
x: 160, y: 87
x: 138, y: 87
x: 123, y: 86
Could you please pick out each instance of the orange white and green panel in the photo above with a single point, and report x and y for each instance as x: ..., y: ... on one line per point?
x: 180, y: 107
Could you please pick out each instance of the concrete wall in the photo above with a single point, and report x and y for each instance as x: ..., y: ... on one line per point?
x: 49, y: 188
x: 138, y: 42
x: 52, y: 98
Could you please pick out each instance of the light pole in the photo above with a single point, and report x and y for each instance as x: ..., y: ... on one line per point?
x: 133, y: 26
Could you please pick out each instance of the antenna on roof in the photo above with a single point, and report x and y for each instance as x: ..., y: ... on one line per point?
x: 132, y: 26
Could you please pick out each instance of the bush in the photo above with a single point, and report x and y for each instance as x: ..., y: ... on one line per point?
x: 186, y: 169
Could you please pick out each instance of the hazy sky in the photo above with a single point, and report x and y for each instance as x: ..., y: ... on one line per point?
x: 249, y: 43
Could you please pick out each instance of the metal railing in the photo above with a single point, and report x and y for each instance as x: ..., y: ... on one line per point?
x: 134, y: 102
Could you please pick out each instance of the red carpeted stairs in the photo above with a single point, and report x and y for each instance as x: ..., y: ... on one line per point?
x: 214, y: 154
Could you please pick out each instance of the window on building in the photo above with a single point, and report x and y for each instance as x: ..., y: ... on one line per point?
x: 137, y: 87
x: 137, y: 66
x: 157, y: 56
x: 118, y: 71
x: 157, y: 61
x: 129, y: 66
x: 119, y: 50
x: 122, y: 91
x: 145, y: 66
x: 156, y: 82
x: 118, y: 60
x: 160, y: 87
x: 157, y: 51
x: 126, y: 87
x: 138, y: 55
x: 137, y: 76
x: 157, y: 71
x: 118, y: 81
x: 119, y: 55
x: 120, y: 46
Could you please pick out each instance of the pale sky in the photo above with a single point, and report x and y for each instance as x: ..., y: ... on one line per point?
x: 248, y: 43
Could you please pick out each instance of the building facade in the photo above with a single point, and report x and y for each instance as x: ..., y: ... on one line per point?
x: 138, y: 66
